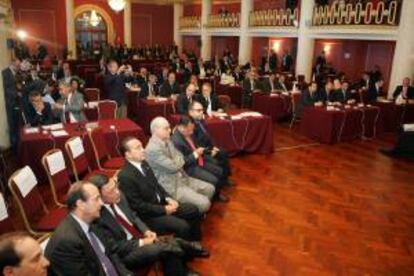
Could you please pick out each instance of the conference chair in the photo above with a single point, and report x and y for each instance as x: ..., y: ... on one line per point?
x: 79, y: 161
x: 225, y: 102
x: 92, y: 94
x: 37, y: 218
x: 6, y: 224
x: 107, y: 109
x: 103, y: 158
x: 58, y: 175
x: 295, y: 106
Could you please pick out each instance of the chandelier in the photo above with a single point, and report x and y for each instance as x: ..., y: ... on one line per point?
x: 94, y: 20
x: 117, y: 5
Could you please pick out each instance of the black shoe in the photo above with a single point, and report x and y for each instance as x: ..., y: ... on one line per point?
x: 230, y: 183
x: 192, y: 272
x: 388, y: 152
x: 221, y: 198
x: 194, y: 249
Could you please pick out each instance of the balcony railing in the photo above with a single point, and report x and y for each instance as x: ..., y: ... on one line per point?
x: 281, y: 17
x: 190, y: 22
x: 340, y: 13
x: 231, y: 20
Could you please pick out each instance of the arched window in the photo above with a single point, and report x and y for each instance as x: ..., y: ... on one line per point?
x: 91, y: 30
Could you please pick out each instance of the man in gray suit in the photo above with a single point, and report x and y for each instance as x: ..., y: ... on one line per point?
x: 167, y: 163
x: 71, y: 107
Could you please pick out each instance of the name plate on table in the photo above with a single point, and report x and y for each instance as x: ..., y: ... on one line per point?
x: 31, y: 130
x: 161, y: 99
x: 408, y: 127
x: 59, y: 133
x: 53, y: 126
x: 382, y: 100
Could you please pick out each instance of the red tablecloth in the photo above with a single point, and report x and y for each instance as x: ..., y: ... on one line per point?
x: 250, y: 134
x: 234, y: 92
x: 149, y: 109
x: 33, y: 146
x: 334, y: 126
x: 392, y: 115
x: 276, y: 106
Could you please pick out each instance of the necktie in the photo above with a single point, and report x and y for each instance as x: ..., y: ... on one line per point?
x: 129, y: 227
x: 105, y: 261
x: 200, y: 159
x: 203, y: 129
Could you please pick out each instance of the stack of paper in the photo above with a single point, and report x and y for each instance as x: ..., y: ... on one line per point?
x: 59, y: 133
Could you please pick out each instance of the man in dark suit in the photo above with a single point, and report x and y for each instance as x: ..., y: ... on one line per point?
x: 135, y: 243
x: 20, y: 254
x: 281, y: 84
x: 376, y: 91
x: 198, y: 161
x: 171, y: 87
x: 310, y: 96
x: 150, y: 88
x: 208, y: 99
x: 273, y: 61
x: 366, y: 82
x: 287, y: 62
x: 341, y: 92
x: 142, y: 77
x: 39, y: 112
x: 203, y: 139
x: 184, y: 99
x: 150, y: 201
x: 404, y: 91
x: 74, y: 248
x: 114, y: 83
x: 250, y: 84
x: 269, y: 84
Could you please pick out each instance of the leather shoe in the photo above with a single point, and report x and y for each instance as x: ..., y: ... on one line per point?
x: 192, y: 272
x: 221, y: 198
x: 194, y: 249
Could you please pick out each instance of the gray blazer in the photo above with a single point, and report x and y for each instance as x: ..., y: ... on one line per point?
x: 75, y: 106
x: 167, y: 163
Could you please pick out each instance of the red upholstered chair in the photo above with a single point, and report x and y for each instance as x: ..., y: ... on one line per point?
x: 79, y: 161
x: 37, y: 218
x: 92, y: 94
x: 295, y: 105
x: 54, y: 164
x: 224, y: 101
x: 107, y: 109
x: 6, y: 225
x: 103, y: 158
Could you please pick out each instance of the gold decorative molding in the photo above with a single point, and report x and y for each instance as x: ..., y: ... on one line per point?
x: 274, y: 17
x: 108, y: 20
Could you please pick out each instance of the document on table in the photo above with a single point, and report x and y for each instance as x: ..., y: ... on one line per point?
x: 25, y: 180
x: 31, y: 130
x: 59, y: 133
x: 53, y: 126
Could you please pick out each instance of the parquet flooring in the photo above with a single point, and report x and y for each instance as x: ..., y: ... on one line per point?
x: 341, y: 209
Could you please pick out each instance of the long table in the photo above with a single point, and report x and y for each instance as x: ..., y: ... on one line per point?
x: 335, y: 126
x: 249, y: 134
x: 234, y: 92
x: 392, y: 115
x: 277, y: 106
x: 34, y: 145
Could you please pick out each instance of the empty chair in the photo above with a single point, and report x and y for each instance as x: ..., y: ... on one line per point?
x: 92, y: 94
x: 6, y: 225
x: 79, y: 162
x: 224, y: 101
x: 37, y: 218
x: 107, y: 109
x: 54, y: 164
x: 103, y: 159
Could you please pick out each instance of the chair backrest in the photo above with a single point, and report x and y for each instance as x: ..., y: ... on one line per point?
x: 107, y: 109
x: 6, y: 224
x: 295, y: 101
x: 92, y: 94
x: 23, y: 186
x: 224, y: 101
x: 97, y: 140
x: 54, y: 164
x: 77, y: 156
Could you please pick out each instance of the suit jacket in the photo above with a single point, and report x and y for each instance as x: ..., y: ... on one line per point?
x: 309, y: 100
x: 214, y: 101
x: 398, y: 90
x: 71, y: 253
x: 287, y: 61
x: 144, y: 194
x: 115, y: 87
x: 45, y: 118
x: 273, y: 61
x: 167, y: 163
x: 247, y: 88
x: 282, y: 86
x: 190, y: 162
x: 9, y: 84
x: 145, y: 90
x: 201, y: 136
x: 339, y: 96
x: 74, y: 106
x: 373, y: 93
x: 183, y: 102
x: 267, y: 87
x: 167, y: 90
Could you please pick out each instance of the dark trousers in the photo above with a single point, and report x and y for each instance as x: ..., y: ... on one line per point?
x: 209, y: 172
x: 184, y: 223
x: 148, y: 254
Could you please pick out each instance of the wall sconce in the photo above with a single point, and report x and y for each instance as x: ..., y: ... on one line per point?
x: 276, y: 45
x: 21, y: 34
x: 327, y: 49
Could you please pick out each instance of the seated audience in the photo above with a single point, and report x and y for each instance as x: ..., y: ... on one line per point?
x: 194, y: 81
x: 21, y: 255
x: 376, y: 91
x: 171, y: 87
x: 227, y: 78
x: 150, y: 201
x: 340, y: 93
x: 198, y: 162
x: 149, y: 88
x: 74, y: 248
x: 209, y: 100
x: 168, y: 165
x: 184, y: 99
x: 70, y: 107
x: 250, y: 84
x: 403, y: 92
x: 39, y: 112
x: 281, y: 85
x: 135, y: 243
x: 203, y: 138
x: 311, y: 95
x: 269, y: 84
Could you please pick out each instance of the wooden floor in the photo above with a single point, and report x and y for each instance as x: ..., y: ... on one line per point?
x: 311, y: 209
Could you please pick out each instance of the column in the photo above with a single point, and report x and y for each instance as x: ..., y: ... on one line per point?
x: 403, y: 62
x: 178, y: 13
x: 128, y: 24
x: 205, y: 36
x: 306, y: 43
x: 245, y: 41
x: 4, y: 62
x: 70, y: 27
